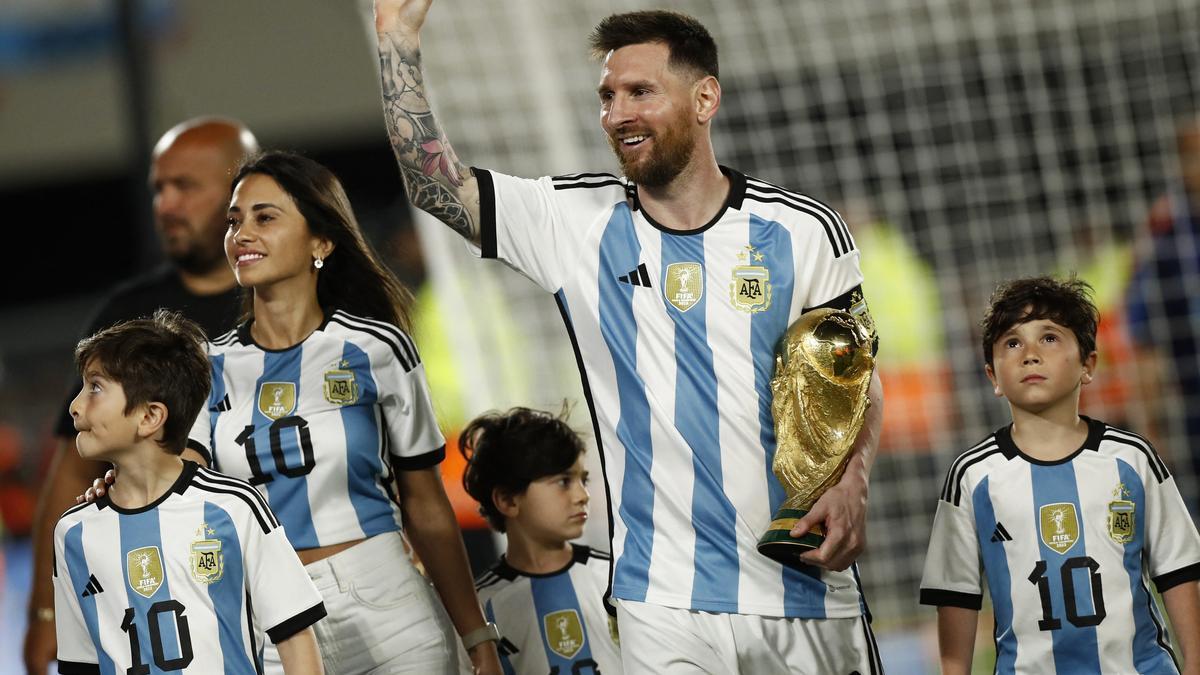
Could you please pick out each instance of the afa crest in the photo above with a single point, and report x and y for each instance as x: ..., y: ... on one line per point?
x: 685, y: 285
x: 1122, y: 514
x: 208, y: 563
x: 340, y: 387
x: 564, y: 632
x: 144, y: 570
x: 750, y: 288
x: 277, y: 399
x: 1059, y: 526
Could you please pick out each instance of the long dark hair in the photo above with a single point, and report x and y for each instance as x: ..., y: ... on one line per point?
x: 353, y: 279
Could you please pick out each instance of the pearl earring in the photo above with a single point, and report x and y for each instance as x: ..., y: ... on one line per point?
x: 318, y: 263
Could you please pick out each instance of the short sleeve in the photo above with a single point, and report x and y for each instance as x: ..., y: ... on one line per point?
x: 284, y: 599
x: 952, y: 564
x: 521, y: 224
x: 1172, y: 543
x: 413, y: 437
x: 76, y: 649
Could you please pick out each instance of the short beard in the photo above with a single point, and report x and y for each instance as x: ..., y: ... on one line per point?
x: 670, y: 157
x: 194, y: 261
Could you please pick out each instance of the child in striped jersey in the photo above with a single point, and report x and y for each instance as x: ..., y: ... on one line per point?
x: 178, y: 568
x: 1068, y: 518
x: 525, y: 468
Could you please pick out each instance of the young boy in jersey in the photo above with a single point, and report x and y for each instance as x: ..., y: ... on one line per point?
x: 1068, y: 518
x: 176, y: 568
x: 546, y: 595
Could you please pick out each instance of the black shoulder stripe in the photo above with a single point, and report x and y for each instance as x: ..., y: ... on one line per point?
x: 488, y: 578
x: 952, y: 490
x: 829, y: 231
x: 266, y: 519
x: 74, y: 509
x: 829, y: 214
x: 599, y: 555
x: 225, y: 339
x: 405, y: 340
x: 400, y: 356
x: 217, y: 478
x: 572, y: 186
x: 1142, y: 445
x: 571, y: 177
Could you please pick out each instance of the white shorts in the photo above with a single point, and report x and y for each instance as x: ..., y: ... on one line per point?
x: 657, y: 639
x: 383, y: 616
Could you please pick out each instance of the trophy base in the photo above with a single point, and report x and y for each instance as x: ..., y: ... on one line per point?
x: 778, y: 544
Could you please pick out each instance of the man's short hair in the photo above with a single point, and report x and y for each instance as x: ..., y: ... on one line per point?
x: 690, y: 44
x: 157, y: 359
x: 1067, y: 303
x: 508, y: 451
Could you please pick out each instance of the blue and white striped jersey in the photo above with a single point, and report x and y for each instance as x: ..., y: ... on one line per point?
x: 553, y: 621
x: 317, y: 427
x: 675, y: 333
x: 1068, y: 549
x: 188, y: 584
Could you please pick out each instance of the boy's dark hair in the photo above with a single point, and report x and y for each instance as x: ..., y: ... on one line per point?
x: 158, y: 359
x: 1067, y: 303
x: 508, y: 451
x: 689, y: 42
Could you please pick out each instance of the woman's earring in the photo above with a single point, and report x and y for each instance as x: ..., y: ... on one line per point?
x: 318, y: 263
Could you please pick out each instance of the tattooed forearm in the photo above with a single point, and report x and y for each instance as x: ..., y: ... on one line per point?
x: 436, y: 181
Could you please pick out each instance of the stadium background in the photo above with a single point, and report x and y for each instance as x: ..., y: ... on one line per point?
x: 964, y: 141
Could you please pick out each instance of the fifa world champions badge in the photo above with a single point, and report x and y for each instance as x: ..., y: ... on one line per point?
x: 564, y: 632
x: 144, y: 570
x: 208, y: 562
x: 1122, y: 514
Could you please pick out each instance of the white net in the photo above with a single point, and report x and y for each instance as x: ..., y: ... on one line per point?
x: 965, y: 141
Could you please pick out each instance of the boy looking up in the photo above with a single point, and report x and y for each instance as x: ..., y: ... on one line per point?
x: 177, y: 568
x: 1067, y: 517
x: 525, y: 468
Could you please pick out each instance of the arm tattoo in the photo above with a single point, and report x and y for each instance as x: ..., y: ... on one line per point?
x: 431, y: 171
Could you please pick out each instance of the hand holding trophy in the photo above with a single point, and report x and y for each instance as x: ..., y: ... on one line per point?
x: 823, y: 369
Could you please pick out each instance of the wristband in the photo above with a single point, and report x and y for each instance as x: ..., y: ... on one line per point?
x: 487, y: 633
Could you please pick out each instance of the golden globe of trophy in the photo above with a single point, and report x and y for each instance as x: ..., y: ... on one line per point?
x: 823, y: 369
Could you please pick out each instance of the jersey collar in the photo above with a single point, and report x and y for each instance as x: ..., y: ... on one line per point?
x: 737, y: 193
x: 1011, y: 451
x: 178, y: 487
x: 507, y: 572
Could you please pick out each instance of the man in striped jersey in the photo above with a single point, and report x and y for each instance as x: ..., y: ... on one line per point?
x: 675, y: 281
x: 177, y: 568
x: 525, y: 468
x: 1068, y: 517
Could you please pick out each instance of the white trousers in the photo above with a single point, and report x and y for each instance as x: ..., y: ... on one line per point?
x: 658, y: 640
x: 383, y: 616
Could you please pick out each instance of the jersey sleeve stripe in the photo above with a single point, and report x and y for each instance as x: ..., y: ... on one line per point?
x: 1133, y: 440
x: 1164, y: 582
x: 943, y: 598
x: 578, y: 176
x: 837, y: 251
x: 226, y: 339
x: 77, y: 668
x: 404, y: 361
x: 405, y: 340
x: 954, y: 475
x: 582, y: 184
x: 266, y: 519
x: 219, y: 478
x: 75, y: 508
x: 828, y: 216
x: 290, y: 627
x: 421, y: 461
x: 487, y: 212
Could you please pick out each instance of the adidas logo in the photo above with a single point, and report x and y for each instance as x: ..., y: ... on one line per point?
x: 93, y: 587
x: 1000, y: 534
x: 637, y: 277
x: 221, y: 406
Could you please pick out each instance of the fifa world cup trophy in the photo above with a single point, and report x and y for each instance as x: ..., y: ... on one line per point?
x: 823, y: 369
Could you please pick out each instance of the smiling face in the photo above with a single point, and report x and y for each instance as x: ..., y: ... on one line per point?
x: 553, y: 509
x: 98, y: 411
x: 1037, y: 366
x: 648, y: 111
x: 268, y: 241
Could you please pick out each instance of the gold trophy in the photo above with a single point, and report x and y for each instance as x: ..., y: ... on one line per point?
x: 822, y: 372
